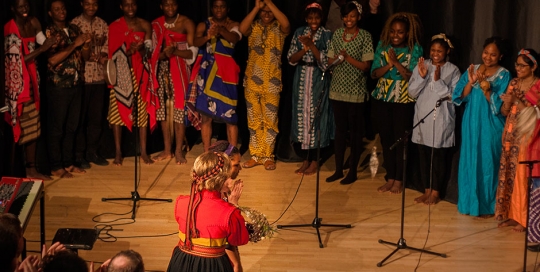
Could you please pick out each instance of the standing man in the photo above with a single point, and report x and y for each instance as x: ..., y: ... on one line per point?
x: 173, y: 53
x: 64, y: 82
x: 262, y: 81
x: 94, y: 90
x: 215, y: 73
x: 129, y: 45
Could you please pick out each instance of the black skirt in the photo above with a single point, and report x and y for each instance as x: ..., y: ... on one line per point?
x: 181, y: 261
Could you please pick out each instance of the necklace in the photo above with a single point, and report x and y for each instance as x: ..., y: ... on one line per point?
x: 344, y: 36
x: 171, y: 25
x: 530, y: 85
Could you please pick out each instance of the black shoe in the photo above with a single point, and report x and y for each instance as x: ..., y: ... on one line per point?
x: 97, y: 159
x: 334, y: 177
x: 534, y: 248
x: 348, y: 180
x: 82, y: 163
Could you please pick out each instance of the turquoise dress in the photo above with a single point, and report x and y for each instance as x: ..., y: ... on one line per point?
x: 481, y: 144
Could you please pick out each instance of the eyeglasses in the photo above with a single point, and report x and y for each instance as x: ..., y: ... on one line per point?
x: 519, y: 65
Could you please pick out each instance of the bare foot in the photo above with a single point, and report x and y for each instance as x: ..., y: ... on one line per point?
x: 180, y: 159
x: 162, y: 156
x: 302, y: 168
x: 146, y: 159
x: 62, y: 173
x: 518, y: 228
x: 75, y: 169
x: 432, y: 199
x: 33, y: 173
x: 312, y: 169
x: 508, y: 223
x: 118, y: 159
x: 422, y: 198
x: 397, y: 188
x: 386, y: 187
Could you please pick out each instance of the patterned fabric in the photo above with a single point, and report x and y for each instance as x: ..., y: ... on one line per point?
x: 68, y: 73
x: 262, y: 112
x: 263, y: 84
x: 349, y: 82
x: 512, y: 189
x: 392, y: 87
x: 215, y: 74
x: 166, y: 93
x: 427, y: 91
x: 114, y: 114
x: 22, y: 79
x: 534, y: 208
x: 172, y: 74
x: 533, y: 154
x: 481, y: 144
x: 307, y: 90
x: 93, y: 71
x: 130, y: 74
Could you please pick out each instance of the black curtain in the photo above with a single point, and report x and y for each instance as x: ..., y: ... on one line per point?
x: 467, y: 22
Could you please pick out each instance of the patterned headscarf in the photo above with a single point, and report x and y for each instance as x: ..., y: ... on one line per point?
x: 314, y: 5
x: 527, y: 54
x: 358, y: 7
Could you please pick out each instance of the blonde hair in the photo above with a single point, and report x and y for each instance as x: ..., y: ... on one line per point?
x: 211, y: 170
x: 411, y: 21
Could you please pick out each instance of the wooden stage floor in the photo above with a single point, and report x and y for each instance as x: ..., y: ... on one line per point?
x: 471, y: 244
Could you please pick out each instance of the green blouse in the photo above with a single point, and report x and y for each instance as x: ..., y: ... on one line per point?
x: 348, y: 82
x: 392, y: 87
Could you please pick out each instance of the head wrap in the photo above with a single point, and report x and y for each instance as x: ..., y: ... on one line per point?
x: 314, y: 5
x: 527, y: 54
x: 211, y: 173
x: 443, y: 36
x: 358, y: 7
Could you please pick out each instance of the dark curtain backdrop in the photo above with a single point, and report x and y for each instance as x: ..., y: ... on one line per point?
x: 467, y: 22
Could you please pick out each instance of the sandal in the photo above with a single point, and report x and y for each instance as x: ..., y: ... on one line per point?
x: 250, y: 163
x: 269, y: 165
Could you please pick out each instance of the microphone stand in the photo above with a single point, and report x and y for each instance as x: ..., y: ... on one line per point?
x: 135, y: 197
x: 530, y: 165
x: 401, y: 243
x: 316, y: 223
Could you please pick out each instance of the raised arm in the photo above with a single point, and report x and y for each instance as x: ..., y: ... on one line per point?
x: 200, y: 39
x: 280, y: 17
x: 245, y: 25
x: 227, y: 34
x: 63, y: 54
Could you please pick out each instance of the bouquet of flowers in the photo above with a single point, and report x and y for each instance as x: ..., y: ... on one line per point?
x: 257, y: 225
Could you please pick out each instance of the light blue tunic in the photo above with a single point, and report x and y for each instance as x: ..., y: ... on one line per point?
x: 481, y: 144
x: 427, y: 92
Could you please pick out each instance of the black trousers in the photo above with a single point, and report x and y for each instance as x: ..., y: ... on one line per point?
x: 63, y: 117
x: 439, y: 167
x: 94, y: 97
x: 392, y: 119
x: 349, y: 121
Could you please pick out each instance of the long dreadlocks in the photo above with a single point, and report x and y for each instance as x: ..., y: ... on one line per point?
x: 411, y: 22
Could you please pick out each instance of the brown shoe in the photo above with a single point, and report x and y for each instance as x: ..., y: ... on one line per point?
x: 270, y: 165
x: 250, y: 163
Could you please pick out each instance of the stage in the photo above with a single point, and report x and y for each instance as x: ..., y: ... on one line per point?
x: 471, y: 244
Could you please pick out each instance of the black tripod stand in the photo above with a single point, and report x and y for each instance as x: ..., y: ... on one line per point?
x: 530, y: 165
x: 317, y: 220
x: 401, y: 243
x: 135, y: 197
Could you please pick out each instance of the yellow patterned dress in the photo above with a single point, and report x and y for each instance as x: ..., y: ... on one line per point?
x: 263, y: 84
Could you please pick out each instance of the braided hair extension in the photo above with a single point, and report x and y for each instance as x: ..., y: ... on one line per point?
x: 412, y: 23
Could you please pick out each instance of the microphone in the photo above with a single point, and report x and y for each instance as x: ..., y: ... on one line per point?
x: 339, y: 59
x: 443, y: 99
